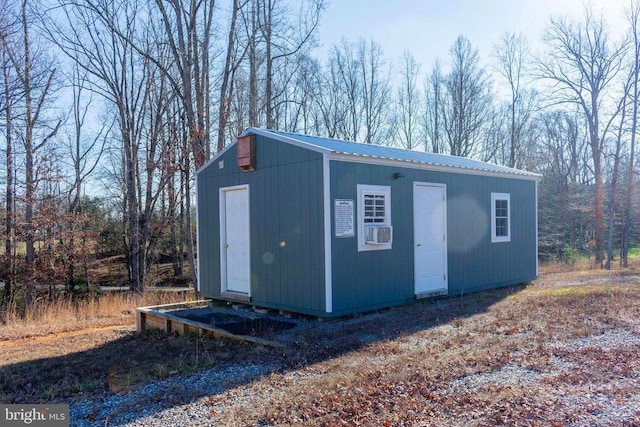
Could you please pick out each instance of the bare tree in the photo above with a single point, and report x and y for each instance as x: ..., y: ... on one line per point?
x: 432, y: 116
x: 468, y: 102
x: 84, y: 157
x: 84, y: 154
x: 251, y: 25
x: 330, y: 99
x: 582, y: 64
x: 9, y: 97
x: 296, y: 114
x: 98, y: 38
x: 284, y: 38
x: 185, y: 27
x: 615, y: 157
x: 356, y: 93
x: 231, y: 64
x: 561, y: 149
x: 159, y: 160
x: 36, y: 79
x: 187, y: 31
x: 173, y: 209
x: 9, y: 208
x: 278, y: 41
x: 633, y: 15
x: 510, y: 55
x: 375, y: 89
x: 345, y: 71
x: 408, y: 102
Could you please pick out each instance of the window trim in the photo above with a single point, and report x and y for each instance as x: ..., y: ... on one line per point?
x: 495, y: 197
x: 372, y: 190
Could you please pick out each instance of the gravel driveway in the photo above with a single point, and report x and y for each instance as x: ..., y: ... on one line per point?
x: 590, y: 379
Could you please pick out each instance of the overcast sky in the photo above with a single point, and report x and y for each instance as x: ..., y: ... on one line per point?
x: 427, y: 28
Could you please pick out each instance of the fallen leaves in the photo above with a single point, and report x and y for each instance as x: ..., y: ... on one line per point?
x: 409, y: 380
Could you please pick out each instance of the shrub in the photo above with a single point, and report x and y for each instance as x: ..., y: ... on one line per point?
x: 82, y: 288
x: 569, y: 255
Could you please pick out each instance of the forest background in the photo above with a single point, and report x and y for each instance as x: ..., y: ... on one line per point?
x: 107, y: 108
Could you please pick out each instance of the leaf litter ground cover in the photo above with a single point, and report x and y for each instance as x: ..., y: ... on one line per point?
x: 561, y: 351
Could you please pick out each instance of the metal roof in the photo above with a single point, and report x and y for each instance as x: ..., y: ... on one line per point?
x: 337, y: 146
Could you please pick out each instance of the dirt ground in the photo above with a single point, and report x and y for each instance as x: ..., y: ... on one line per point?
x: 560, y: 351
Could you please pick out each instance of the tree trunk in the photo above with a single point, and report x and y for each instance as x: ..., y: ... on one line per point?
x: 596, y: 155
x: 181, y: 228
x: 269, y: 61
x: 225, y: 107
x: 598, y: 229
x: 253, y: 67
x: 29, y: 182
x: 132, y: 220
x: 8, y: 239
x: 174, y: 227
x: 626, y: 216
x: 614, y: 184
x: 190, y: 246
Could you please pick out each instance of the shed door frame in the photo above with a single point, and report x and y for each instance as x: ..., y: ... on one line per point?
x: 430, y: 241
x: 235, y: 254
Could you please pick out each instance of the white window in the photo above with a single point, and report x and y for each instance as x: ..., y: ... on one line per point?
x: 500, y: 217
x: 374, y: 217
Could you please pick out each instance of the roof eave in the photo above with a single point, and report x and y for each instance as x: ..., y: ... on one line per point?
x: 413, y: 164
x: 286, y: 139
x: 363, y: 158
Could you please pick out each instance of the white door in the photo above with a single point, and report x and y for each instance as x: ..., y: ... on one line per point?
x: 234, y: 239
x: 430, y: 238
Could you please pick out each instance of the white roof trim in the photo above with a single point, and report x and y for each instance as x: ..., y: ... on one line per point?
x: 384, y: 161
x: 387, y: 161
x: 346, y: 156
x: 288, y: 140
x: 214, y: 158
x: 272, y: 135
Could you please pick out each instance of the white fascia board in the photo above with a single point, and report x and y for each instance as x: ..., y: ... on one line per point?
x: 267, y: 134
x: 286, y: 139
x: 214, y: 158
x: 430, y: 167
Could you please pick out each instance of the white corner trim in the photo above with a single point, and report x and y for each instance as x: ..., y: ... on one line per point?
x: 536, y: 231
x: 199, y: 270
x: 328, y: 282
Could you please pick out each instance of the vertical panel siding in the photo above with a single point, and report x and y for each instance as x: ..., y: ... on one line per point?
x: 474, y: 261
x: 287, y: 254
x: 286, y: 225
x: 366, y: 280
x: 370, y: 279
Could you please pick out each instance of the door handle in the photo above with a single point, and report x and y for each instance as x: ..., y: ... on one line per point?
x: 226, y: 245
x: 419, y: 244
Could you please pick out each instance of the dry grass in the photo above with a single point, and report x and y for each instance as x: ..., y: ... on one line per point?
x: 514, y: 361
x: 561, y: 351
x: 63, y: 314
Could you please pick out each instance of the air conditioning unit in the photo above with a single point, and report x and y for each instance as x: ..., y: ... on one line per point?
x: 377, y: 235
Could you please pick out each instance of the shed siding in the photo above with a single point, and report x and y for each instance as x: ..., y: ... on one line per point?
x: 374, y: 279
x: 286, y: 225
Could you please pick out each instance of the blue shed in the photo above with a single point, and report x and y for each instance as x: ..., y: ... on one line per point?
x: 327, y: 227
